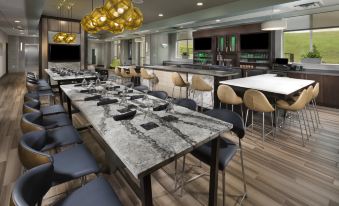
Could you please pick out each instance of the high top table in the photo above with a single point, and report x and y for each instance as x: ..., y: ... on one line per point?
x: 64, y: 79
x: 144, y: 151
x: 271, y: 84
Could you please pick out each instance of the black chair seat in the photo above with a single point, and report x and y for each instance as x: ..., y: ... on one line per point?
x: 141, y: 88
x: 61, y: 136
x: 97, y: 192
x: 73, y: 163
x: 44, y: 88
x: 159, y: 94
x: 43, y: 83
x: 187, y: 103
x: 54, y: 109
x: 55, y: 120
x: 31, y: 96
x: 227, y: 150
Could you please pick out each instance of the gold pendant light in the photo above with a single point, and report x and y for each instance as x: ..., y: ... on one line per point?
x: 62, y: 37
x: 115, y: 16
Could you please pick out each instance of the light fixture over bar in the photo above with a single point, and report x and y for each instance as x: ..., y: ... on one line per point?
x: 274, y: 25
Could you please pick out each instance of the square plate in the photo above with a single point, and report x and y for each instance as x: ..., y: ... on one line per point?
x: 149, y: 126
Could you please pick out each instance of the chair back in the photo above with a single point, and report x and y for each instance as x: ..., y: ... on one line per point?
x: 309, y: 93
x: 257, y: 101
x: 144, y: 74
x: 30, y: 147
x: 300, y: 102
x: 177, y: 80
x: 30, y: 188
x: 188, y: 103
x: 199, y: 84
x: 31, y: 87
x: 124, y: 73
x: 31, y: 122
x: 31, y: 106
x: 230, y: 117
x: 133, y: 72
x: 117, y: 71
x: 316, y: 90
x: 227, y: 95
x: 31, y: 96
x: 159, y: 94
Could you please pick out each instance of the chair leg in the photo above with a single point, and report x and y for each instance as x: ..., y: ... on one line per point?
x: 252, y: 121
x: 301, y: 130
x: 232, y: 106
x: 273, y: 132
x: 315, y: 114
x: 302, y: 114
x: 263, y: 128
x: 309, y: 110
x: 243, y: 169
x: 173, y: 92
x: 242, y: 112
x: 307, y: 121
x: 223, y: 187
x: 246, y: 118
x: 316, y: 110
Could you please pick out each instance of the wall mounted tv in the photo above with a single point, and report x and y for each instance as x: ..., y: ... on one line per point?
x: 203, y: 43
x: 63, y: 53
x: 257, y: 41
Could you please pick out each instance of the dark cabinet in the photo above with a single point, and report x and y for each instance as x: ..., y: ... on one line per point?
x: 329, y: 87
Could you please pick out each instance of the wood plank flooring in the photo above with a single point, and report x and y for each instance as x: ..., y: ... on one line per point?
x: 280, y: 173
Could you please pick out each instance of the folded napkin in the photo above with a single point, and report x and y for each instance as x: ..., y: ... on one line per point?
x: 170, y: 118
x: 127, y: 115
x: 130, y: 91
x: 95, y: 97
x: 116, y: 87
x: 78, y: 85
x: 107, y: 101
x: 84, y: 91
x: 160, y: 107
x: 149, y: 125
x: 136, y: 97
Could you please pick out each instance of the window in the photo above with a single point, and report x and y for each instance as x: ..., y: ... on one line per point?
x: 184, y: 46
x: 298, y: 43
x: 116, y: 49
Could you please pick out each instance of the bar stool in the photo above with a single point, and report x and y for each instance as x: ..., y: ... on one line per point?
x: 37, y: 181
x: 125, y: 76
x: 297, y: 107
x: 198, y: 84
x: 117, y: 72
x: 314, y: 102
x: 144, y: 74
x: 227, y: 96
x: 179, y: 82
x: 256, y: 101
x: 135, y: 75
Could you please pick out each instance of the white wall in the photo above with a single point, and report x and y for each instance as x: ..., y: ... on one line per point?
x: 3, y: 41
x: 99, y: 52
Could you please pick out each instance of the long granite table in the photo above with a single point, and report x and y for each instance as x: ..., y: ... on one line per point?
x: 145, y: 151
x: 68, y: 78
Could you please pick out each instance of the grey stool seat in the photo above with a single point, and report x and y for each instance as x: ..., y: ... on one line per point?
x: 187, y: 103
x: 97, y: 192
x: 159, y: 94
x: 30, y: 188
x: 141, y: 88
x: 58, y: 137
x: 73, y: 163
x: 227, y: 150
x: 48, y: 122
x: 34, y: 106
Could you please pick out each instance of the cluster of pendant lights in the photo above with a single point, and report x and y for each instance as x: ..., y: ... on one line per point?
x: 65, y: 37
x: 115, y: 16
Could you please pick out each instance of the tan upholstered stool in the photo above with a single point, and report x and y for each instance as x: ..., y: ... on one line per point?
x: 227, y: 96
x: 144, y: 74
x: 178, y: 82
x: 198, y: 84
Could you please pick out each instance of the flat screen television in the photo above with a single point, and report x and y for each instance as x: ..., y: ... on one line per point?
x: 203, y: 43
x: 63, y: 53
x: 257, y: 41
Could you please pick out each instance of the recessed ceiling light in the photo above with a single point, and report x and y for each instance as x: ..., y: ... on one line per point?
x: 200, y: 4
x: 17, y: 21
x: 160, y: 15
x: 218, y: 20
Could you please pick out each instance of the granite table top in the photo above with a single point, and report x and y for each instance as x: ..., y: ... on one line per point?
x: 144, y: 151
x: 207, y: 72
x: 56, y: 77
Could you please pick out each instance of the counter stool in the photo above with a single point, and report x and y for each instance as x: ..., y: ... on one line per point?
x: 125, y: 76
x: 144, y: 75
x: 117, y: 73
x: 314, y: 101
x: 226, y: 95
x: 179, y: 82
x: 256, y: 101
x: 297, y: 107
x: 135, y: 75
x: 39, y: 180
x: 198, y: 84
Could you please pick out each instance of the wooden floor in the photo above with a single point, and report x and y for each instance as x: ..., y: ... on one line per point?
x: 280, y: 173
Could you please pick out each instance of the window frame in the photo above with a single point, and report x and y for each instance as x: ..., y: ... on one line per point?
x: 179, y: 56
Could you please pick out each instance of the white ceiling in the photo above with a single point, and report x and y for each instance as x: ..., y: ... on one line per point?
x: 150, y: 8
x: 28, y: 12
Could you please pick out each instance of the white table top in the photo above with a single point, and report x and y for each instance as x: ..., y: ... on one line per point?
x: 270, y: 83
x: 57, y: 77
x: 143, y: 151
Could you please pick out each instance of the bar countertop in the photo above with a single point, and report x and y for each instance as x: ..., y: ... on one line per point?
x: 207, y: 72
